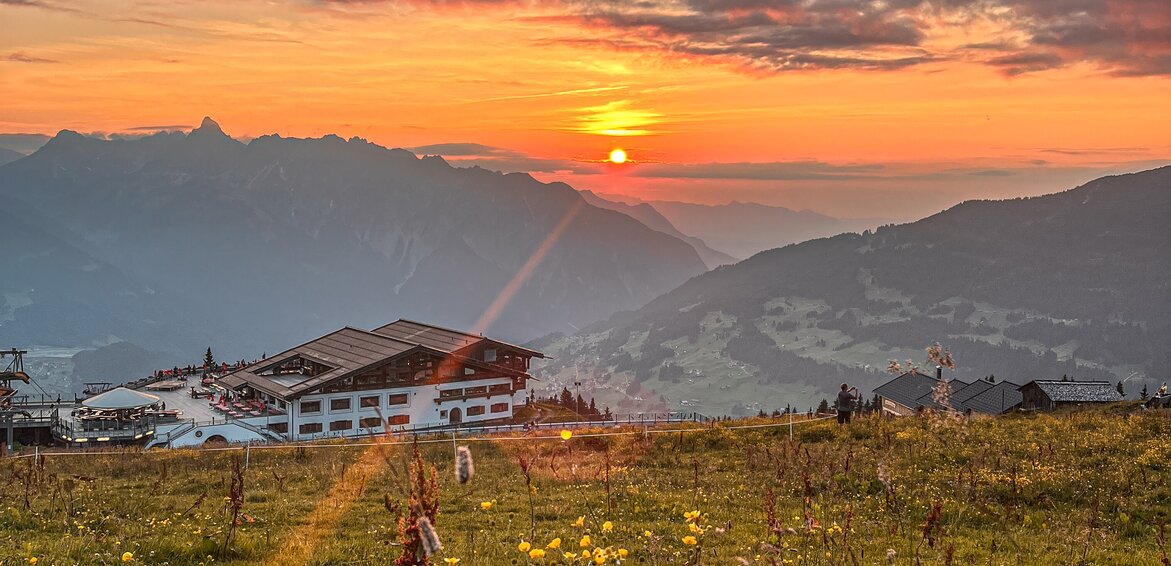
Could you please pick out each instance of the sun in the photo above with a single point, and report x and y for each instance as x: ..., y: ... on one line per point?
x: 618, y: 155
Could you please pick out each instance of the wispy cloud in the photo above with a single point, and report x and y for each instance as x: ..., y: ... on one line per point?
x: 22, y: 57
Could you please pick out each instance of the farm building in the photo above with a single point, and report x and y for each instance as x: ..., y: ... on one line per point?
x: 913, y: 391
x: 1047, y: 394
x: 405, y: 375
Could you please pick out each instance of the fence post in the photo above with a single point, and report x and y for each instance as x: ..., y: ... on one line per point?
x: 790, y: 425
x: 247, y: 455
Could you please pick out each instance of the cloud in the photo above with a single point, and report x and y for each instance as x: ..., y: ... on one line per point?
x: 167, y: 128
x: 461, y: 149
x: 1122, y: 37
x: 766, y: 171
x: 22, y: 57
x: 470, y: 154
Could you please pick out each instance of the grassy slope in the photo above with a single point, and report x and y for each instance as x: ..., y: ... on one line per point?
x: 1039, y: 489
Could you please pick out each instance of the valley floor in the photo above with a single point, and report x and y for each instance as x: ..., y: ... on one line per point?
x: 1076, y: 488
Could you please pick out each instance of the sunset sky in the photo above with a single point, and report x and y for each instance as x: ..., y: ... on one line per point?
x: 888, y: 108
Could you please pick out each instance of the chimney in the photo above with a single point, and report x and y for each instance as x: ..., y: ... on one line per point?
x: 939, y: 373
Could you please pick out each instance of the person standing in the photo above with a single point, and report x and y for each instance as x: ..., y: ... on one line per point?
x: 846, y: 399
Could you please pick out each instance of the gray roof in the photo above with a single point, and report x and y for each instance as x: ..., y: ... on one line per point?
x: 1077, y: 391
x: 928, y: 399
x: 907, y: 388
x: 440, y: 338
x: 999, y: 398
x: 345, y: 351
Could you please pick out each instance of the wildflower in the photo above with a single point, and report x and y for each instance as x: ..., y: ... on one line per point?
x: 579, y: 522
x: 32, y: 560
x: 127, y: 556
x: 554, y: 544
x: 623, y: 553
x: 584, y: 542
x: 486, y: 505
x: 536, y: 553
x: 646, y: 534
x: 451, y: 560
x: 689, y: 540
x: 585, y: 554
x: 430, y: 538
x: 601, y: 559
x: 569, y: 556
x: 607, y: 527
x: 524, y: 546
x: 691, y: 516
x: 566, y: 435
x: 694, y: 528
x: 464, y: 467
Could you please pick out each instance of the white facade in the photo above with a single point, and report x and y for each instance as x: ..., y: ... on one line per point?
x: 361, y: 413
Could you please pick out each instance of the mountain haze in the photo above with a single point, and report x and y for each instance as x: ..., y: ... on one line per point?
x: 645, y: 213
x: 1075, y: 283
x: 251, y: 247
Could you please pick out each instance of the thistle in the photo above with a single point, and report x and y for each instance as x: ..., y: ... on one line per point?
x: 428, y: 537
x: 464, y: 467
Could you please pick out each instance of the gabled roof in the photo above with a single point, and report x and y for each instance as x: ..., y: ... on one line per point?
x: 440, y: 338
x: 1000, y: 398
x: 345, y: 351
x: 1077, y: 391
x: 928, y: 399
x: 907, y: 388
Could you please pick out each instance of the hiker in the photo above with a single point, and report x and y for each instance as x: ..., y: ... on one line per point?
x: 1158, y: 399
x: 846, y: 401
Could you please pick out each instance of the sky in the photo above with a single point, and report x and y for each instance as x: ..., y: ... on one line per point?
x: 885, y: 108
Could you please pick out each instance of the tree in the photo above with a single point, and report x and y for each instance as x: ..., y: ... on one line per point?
x: 1120, y: 390
x: 1144, y: 393
x: 823, y: 407
x: 607, y: 415
x: 593, y: 408
x: 208, y: 359
x: 566, y: 398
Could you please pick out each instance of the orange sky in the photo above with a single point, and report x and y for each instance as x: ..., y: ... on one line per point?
x: 893, y: 109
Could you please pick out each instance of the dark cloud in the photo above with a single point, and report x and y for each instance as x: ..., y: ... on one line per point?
x: 469, y: 154
x: 460, y: 149
x: 167, y: 128
x: 22, y: 57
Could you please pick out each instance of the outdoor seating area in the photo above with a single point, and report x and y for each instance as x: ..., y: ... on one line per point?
x: 241, y: 408
x: 117, y: 414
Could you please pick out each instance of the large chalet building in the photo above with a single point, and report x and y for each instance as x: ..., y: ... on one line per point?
x: 406, y: 375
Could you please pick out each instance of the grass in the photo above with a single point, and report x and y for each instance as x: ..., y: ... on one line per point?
x: 1078, y: 488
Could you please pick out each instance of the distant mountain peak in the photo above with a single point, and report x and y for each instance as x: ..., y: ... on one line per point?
x: 208, y: 127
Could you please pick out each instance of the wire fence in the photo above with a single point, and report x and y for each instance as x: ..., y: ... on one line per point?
x: 437, y: 438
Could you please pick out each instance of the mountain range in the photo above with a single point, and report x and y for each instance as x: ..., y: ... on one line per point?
x: 1075, y: 283
x: 180, y: 241
x: 744, y: 229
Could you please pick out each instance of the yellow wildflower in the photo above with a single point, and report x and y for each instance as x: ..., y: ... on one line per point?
x: 485, y: 505
x: 600, y: 559
x: 554, y: 544
x: 536, y: 553
x: 622, y: 552
x: 32, y: 560
x: 569, y: 556
x: 579, y: 522
x: 524, y: 546
x: 607, y: 527
x: 451, y: 560
x: 691, y: 516
x: 584, y: 542
x: 646, y: 534
x: 689, y: 540
x: 127, y: 556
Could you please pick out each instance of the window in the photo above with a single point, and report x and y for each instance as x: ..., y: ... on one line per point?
x: 370, y: 422
x: 477, y: 410
x: 279, y: 427
x: 310, y: 428
x: 476, y: 390
x: 469, y: 371
x: 500, y: 407
x: 341, y: 425
x: 398, y: 399
x: 451, y: 393
x: 310, y: 406
x: 443, y: 414
x: 400, y: 419
x: 500, y: 388
x: 490, y: 355
x: 366, y: 402
x: 340, y: 404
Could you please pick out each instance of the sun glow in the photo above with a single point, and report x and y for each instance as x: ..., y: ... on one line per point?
x: 618, y: 155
